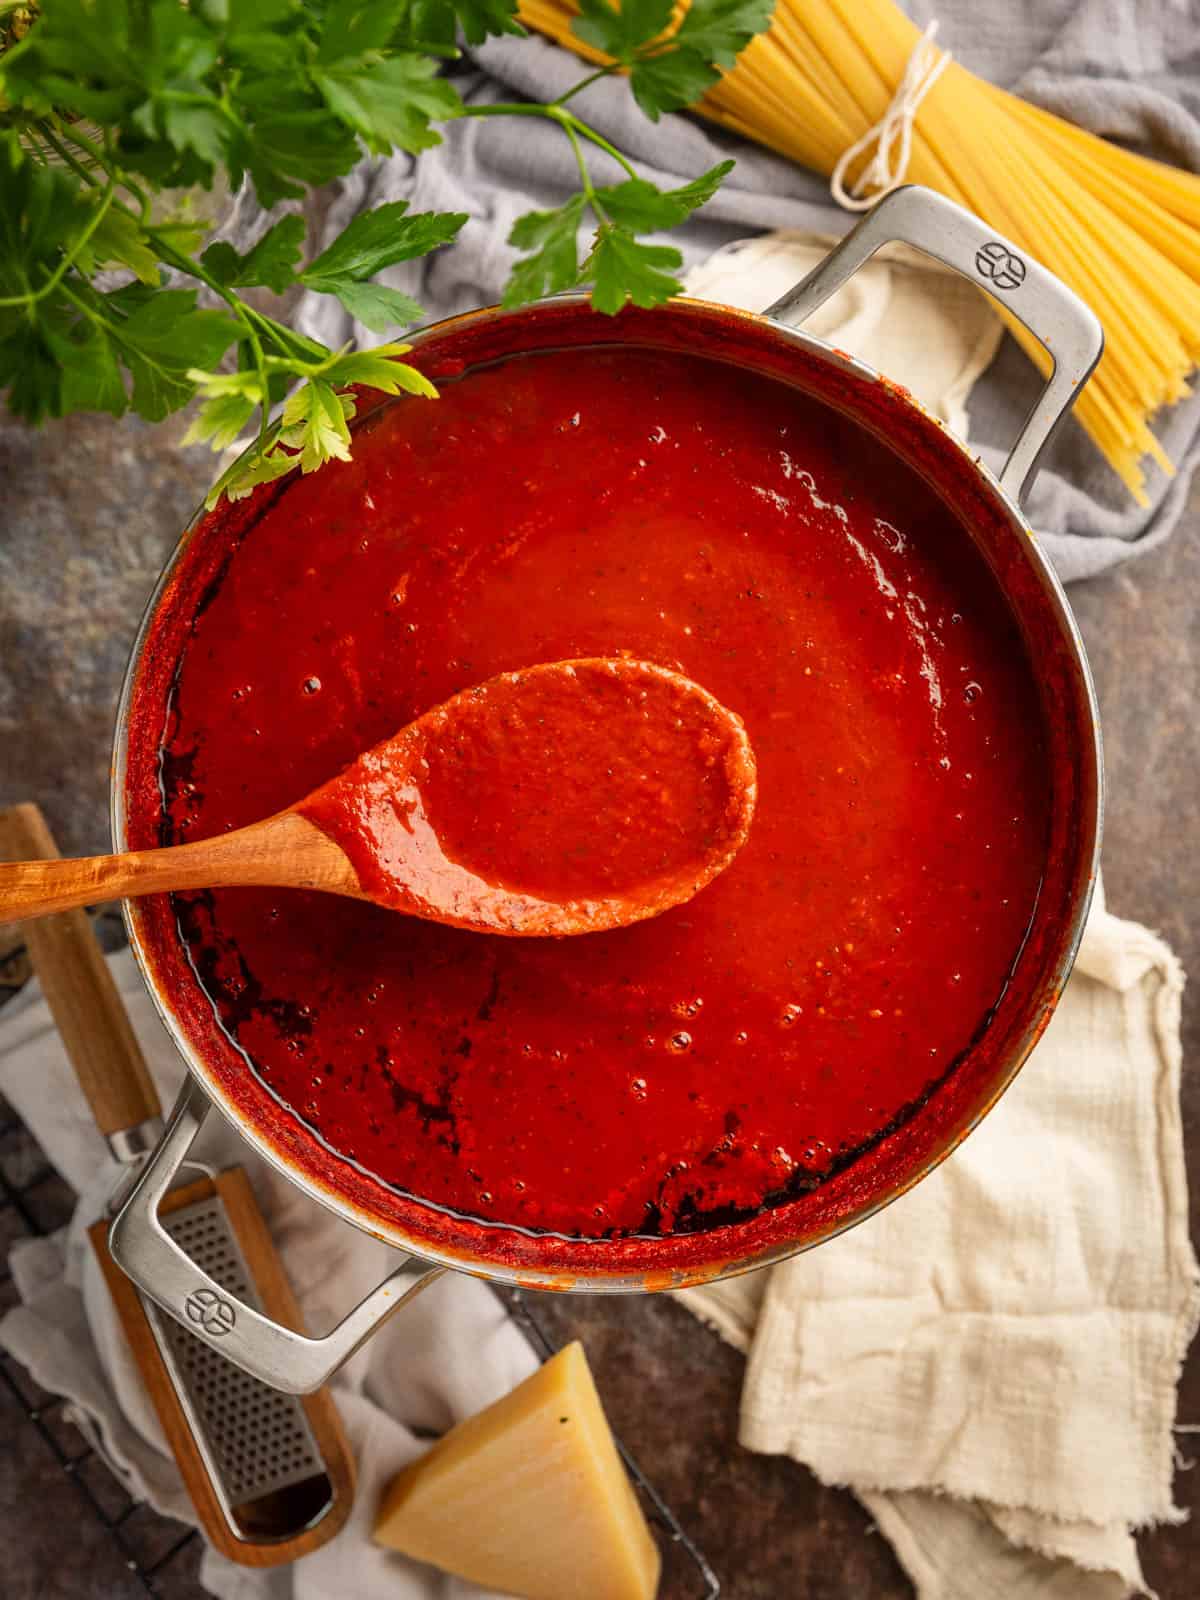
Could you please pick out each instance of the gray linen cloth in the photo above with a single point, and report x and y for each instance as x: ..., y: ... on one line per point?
x: 1129, y: 69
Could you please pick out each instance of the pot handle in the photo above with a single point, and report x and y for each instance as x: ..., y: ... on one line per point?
x: 1056, y: 316
x: 270, y: 1352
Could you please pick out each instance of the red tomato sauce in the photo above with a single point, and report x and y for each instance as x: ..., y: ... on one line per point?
x: 736, y: 1052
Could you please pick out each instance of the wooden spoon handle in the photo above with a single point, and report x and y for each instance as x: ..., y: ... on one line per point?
x: 39, y: 888
x: 82, y: 996
x: 284, y: 850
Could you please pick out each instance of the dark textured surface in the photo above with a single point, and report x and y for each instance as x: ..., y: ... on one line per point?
x: 89, y: 511
x: 38, y: 1562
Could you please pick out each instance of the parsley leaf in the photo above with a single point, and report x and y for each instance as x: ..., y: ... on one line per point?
x: 429, y: 27
x: 220, y: 420
x: 671, y: 81
x: 554, y: 264
x: 378, y: 239
x: 389, y: 103
x: 316, y: 418
x: 119, y: 238
x: 670, y: 71
x: 315, y: 423
x: 183, y: 233
x: 39, y: 213
x: 71, y: 44
x: 352, y: 28
x: 479, y: 18
x: 271, y: 263
x: 379, y: 369
x: 245, y: 381
x: 91, y: 377
x: 255, y: 467
x: 623, y: 269
x: 204, y: 128
x: 719, y: 30
x: 287, y: 150
x: 375, y: 240
x: 712, y: 34
x: 162, y: 339
x: 29, y: 367
x: 358, y: 27
x: 643, y: 208
x: 621, y: 31
x: 376, y: 306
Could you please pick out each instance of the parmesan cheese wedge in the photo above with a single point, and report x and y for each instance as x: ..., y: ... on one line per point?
x: 529, y: 1497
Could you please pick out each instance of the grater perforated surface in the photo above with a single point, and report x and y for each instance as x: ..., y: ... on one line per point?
x: 257, y: 1439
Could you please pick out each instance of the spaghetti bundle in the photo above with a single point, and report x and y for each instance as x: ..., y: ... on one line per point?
x: 1123, y: 231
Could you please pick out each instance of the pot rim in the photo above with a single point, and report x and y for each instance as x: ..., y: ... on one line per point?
x: 605, y: 1280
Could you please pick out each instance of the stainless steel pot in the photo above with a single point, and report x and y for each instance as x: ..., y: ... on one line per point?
x: 989, y: 510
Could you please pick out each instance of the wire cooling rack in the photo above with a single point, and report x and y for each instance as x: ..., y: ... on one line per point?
x: 162, y: 1555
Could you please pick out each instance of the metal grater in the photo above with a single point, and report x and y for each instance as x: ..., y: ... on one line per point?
x: 270, y: 1477
x: 254, y: 1440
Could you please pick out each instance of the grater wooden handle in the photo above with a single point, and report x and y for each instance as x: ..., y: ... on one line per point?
x: 83, y: 998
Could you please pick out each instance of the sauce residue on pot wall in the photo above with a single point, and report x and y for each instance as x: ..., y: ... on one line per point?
x: 736, y: 1052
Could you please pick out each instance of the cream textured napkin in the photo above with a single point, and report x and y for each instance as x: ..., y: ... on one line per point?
x: 991, y: 1362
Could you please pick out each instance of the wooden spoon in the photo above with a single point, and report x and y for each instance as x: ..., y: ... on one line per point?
x: 565, y: 798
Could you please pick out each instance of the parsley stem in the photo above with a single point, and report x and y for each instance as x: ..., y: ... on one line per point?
x: 584, y: 83
x: 168, y: 253
x: 554, y: 113
x: 287, y: 339
x: 65, y: 156
x: 603, y: 144
x: 102, y: 160
x: 585, y: 179
x: 71, y: 256
x: 92, y: 315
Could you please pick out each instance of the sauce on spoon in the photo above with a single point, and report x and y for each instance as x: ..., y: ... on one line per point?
x: 571, y: 796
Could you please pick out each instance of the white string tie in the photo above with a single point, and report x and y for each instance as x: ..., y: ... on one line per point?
x: 892, y: 134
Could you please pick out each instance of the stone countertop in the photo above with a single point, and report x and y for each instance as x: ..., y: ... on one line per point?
x: 90, y: 510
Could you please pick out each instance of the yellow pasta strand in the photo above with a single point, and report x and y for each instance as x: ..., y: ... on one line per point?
x: 1121, y: 230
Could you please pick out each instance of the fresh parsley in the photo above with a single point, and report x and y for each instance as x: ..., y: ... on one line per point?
x: 670, y: 69
x: 111, y: 109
